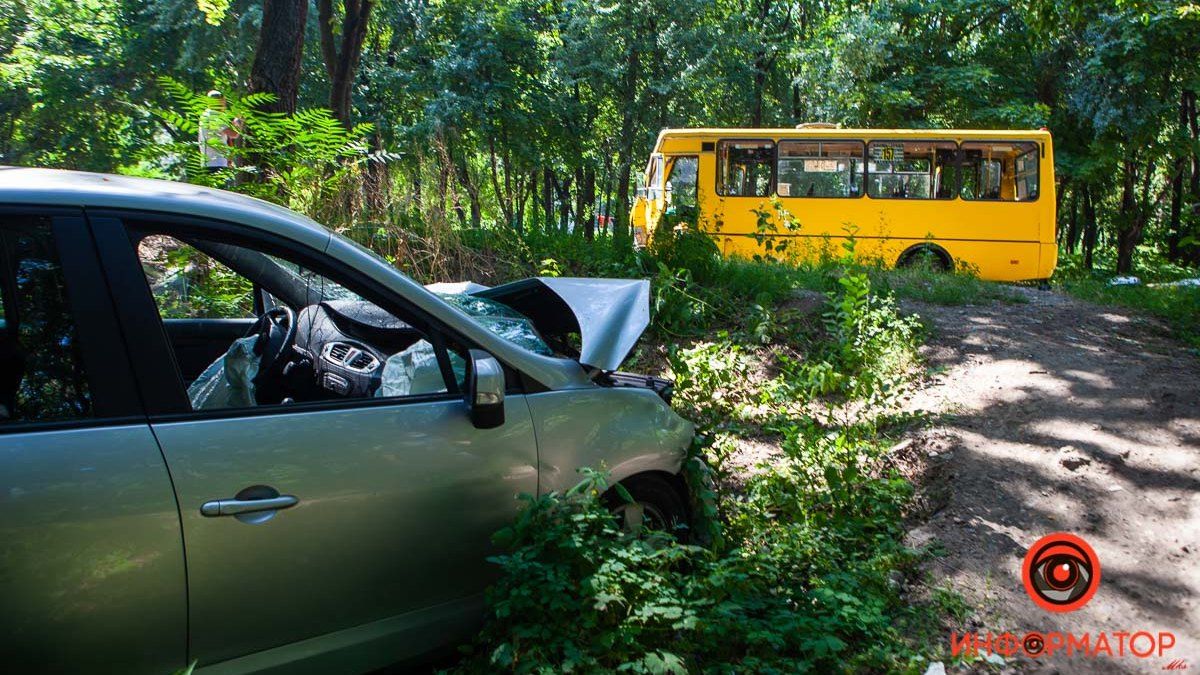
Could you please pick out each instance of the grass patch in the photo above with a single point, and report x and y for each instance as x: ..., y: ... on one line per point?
x: 941, y: 288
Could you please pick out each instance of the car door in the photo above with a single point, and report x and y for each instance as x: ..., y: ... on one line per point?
x: 91, y: 558
x: 382, y: 553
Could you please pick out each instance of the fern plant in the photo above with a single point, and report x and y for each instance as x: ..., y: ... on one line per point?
x: 302, y: 160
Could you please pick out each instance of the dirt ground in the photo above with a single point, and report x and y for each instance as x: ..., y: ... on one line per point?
x: 1057, y: 415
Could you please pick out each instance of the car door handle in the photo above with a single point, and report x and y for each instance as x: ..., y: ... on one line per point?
x: 234, y: 507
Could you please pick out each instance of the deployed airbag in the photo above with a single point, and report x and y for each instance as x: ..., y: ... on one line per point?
x: 415, y: 371
x: 229, y: 381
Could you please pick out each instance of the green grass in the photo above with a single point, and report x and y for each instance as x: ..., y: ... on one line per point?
x: 941, y: 288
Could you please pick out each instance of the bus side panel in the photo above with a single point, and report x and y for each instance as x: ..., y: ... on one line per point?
x: 1049, y: 238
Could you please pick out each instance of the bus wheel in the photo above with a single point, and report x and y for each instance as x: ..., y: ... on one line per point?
x: 926, y: 255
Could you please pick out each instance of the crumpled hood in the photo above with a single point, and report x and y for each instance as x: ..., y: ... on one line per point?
x: 608, y: 314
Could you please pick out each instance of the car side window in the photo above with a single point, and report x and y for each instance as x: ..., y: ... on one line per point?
x: 315, y: 340
x: 188, y: 284
x: 42, y: 375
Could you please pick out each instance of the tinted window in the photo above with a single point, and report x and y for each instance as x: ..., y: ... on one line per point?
x: 745, y: 168
x: 911, y: 169
x: 41, y: 369
x: 820, y: 169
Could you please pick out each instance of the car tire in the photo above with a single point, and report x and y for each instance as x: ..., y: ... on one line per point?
x: 657, y: 505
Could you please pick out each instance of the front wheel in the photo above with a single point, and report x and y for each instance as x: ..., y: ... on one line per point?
x: 657, y: 505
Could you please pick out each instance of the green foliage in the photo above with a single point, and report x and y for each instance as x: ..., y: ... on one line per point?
x: 871, y: 349
x: 303, y: 161
x: 189, y: 284
x: 801, y: 568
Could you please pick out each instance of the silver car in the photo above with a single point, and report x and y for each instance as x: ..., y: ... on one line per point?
x: 229, y: 435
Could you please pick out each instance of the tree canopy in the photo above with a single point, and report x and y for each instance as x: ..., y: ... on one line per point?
x: 530, y: 113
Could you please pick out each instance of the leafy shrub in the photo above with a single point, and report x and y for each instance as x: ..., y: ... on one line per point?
x: 801, y: 586
x: 304, y: 161
x: 870, y: 346
x: 688, y: 249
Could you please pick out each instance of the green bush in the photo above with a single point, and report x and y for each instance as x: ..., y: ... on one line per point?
x: 805, y: 584
x: 870, y: 348
x: 802, y: 568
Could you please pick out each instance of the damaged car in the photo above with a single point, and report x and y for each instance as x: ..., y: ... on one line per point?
x: 229, y: 435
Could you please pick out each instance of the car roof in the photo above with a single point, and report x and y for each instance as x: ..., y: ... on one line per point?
x: 56, y: 187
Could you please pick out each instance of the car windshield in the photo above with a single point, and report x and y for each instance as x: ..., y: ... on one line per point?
x: 500, y: 319
x: 495, y: 316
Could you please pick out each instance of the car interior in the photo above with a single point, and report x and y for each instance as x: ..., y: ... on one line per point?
x: 249, y: 328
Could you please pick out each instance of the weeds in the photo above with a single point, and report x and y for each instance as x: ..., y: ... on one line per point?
x: 803, y: 566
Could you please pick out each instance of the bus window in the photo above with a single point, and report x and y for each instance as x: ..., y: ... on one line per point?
x: 1027, y: 174
x: 911, y: 169
x: 744, y: 168
x: 654, y: 182
x: 999, y: 171
x: 681, y: 192
x: 820, y: 169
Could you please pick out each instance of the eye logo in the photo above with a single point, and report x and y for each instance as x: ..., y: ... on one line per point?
x: 1061, y: 572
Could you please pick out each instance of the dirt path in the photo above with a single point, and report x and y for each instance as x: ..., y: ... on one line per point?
x: 1058, y: 415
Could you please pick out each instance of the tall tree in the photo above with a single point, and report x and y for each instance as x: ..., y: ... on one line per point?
x: 277, y: 59
x: 342, y: 52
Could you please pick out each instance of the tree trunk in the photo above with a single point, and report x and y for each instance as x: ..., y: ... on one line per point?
x: 579, y: 199
x: 464, y: 179
x: 341, y: 60
x: 621, y: 228
x: 633, y: 69
x: 589, y: 201
x: 1192, y: 253
x: 276, y: 68
x: 378, y: 178
x: 548, y: 198
x: 1073, y: 224
x: 1127, y: 230
x: 1090, y: 229
x: 564, y: 204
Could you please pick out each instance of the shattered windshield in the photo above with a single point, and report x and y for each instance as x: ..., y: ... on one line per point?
x: 494, y: 316
x: 501, y: 320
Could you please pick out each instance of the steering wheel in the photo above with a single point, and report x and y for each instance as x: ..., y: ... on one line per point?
x: 276, y: 330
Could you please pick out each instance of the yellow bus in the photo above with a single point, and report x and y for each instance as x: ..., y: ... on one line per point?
x: 974, y: 199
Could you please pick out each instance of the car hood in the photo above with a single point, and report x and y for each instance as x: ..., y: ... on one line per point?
x: 609, y: 315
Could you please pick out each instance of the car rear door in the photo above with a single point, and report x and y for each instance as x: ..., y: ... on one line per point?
x: 91, y: 557
x: 381, y: 555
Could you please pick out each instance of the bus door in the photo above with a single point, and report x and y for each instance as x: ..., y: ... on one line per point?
x: 682, y: 207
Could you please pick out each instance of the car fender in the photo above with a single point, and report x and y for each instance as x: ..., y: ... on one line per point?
x: 624, y: 431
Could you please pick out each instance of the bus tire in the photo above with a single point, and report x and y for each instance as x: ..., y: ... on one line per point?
x: 935, y: 256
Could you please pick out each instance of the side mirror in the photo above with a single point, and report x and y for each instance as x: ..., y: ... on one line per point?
x: 485, y: 390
